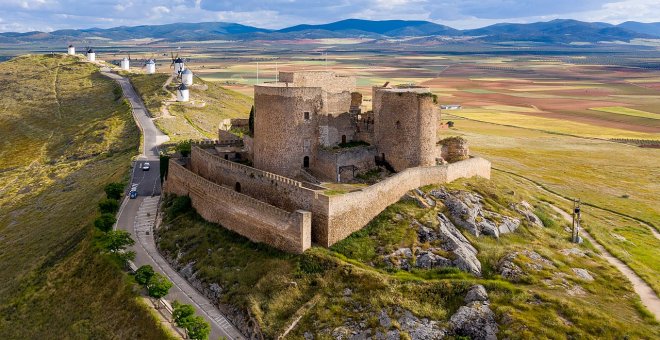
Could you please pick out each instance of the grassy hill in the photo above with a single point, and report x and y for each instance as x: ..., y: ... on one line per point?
x: 66, y: 132
x: 350, y: 286
x: 209, y: 104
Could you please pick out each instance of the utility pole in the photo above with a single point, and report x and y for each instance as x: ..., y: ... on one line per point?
x: 277, y: 74
x: 575, y: 236
x: 257, y: 72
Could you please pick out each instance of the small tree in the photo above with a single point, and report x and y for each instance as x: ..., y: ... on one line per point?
x: 105, y: 222
x: 450, y: 124
x: 116, y: 241
x: 158, y: 286
x: 144, y: 274
x: 251, y: 122
x: 108, y: 205
x: 198, y: 328
x: 181, y: 313
x: 114, y: 190
x: 183, y: 148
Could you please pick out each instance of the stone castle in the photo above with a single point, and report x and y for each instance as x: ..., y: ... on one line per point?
x: 310, y: 133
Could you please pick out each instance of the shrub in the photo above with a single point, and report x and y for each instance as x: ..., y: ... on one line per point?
x: 114, y: 190
x: 180, y: 204
x: 183, y: 148
x: 198, y: 328
x: 158, y: 286
x: 144, y: 274
x: 105, y: 222
x: 182, y: 313
x: 108, y: 205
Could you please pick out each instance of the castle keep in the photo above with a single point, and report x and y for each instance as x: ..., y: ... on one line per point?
x: 309, y: 133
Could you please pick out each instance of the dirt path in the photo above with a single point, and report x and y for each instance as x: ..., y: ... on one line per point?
x: 646, y: 294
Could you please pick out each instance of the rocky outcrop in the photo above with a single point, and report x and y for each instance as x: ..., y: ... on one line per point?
x: 420, y: 329
x: 513, y: 272
x: 583, y: 274
x: 475, y: 319
x: 416, y: 328
x: 525, y: 209
x: 400, y: 258
x: 467, y: 211
x: 465, y: 255
x: 426, y: 259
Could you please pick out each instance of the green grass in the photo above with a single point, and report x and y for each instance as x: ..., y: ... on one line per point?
x: 150, y: 88
x: 65, y: 135
x: 274, y: 287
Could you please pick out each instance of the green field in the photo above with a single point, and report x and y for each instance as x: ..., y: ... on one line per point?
x: 66, y: 133
x: 627, y: 111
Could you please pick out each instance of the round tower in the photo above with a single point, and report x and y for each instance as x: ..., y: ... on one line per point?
x: 71, y: 50
x: 405, y: 126
x: 179, y: 66
x: 91, y: 55
x: 151, y: 66
x: 187, y: 77
x: 125, y: 64
x: 286, y: 136
x: 182, y: 93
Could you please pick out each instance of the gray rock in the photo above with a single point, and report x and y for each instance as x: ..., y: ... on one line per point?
x: 426, y: 259
x: 216, y: 290
x: 508, y: 225
x: 400, y: 258
x: 308, y: 336
x: 526, y: 209
x: 384, y: 319
x: 476, y: 293
x: 475, y: 320
x: 420, y: 329
x: 573, y: 252
x: 188, y: 270
x: 465, y: 255
x: 467, y: 211
x: 510, y: 270
x: 424, y: 233
x: 583, y: 274
x: 348, y: 292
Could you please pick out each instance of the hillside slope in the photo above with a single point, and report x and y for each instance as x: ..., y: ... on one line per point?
x: 66, y: 133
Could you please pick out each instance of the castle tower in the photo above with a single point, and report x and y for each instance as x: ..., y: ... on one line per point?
x: 187, y: 77
x: 182, y: 93
x: 125, y: 64
x: 405, y: 126
x: 91, y: 55
x: 71, y: 50
x: 291, y: 119
x: 151, y: 66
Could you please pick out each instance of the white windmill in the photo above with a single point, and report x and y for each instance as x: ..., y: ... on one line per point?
x: 187, y: 77
x: 182, y: 93
x: 126, y: 63
x: 91, y: 55
x: 178, y: 64
x: 71, y: 50
x: 151, y: 66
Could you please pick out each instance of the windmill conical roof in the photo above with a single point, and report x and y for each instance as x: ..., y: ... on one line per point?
x: 90, y: 51
x: 187, y: 71
x: 183, y: 86
x: 178, y: 61
x: 151, y: 61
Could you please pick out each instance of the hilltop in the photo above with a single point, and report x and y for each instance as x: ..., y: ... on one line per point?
x: 66, y: 134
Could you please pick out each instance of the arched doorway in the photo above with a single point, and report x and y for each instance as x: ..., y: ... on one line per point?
x: 237, y: 187
x: 306, y: 162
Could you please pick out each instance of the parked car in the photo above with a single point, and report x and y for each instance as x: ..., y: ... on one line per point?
x: 133, y: 193
x: 146, y: 166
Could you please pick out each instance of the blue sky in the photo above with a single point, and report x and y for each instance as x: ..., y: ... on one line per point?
x: 48, y: 15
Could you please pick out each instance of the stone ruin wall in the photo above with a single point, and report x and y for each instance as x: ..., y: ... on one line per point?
x: 328, y: 161
x: 252, y: 218
x: 282, y: 136
x: 350, y: 212
x: 329, y: 81
x: 279, y: 191
x: 332, y: 128
x: 453, y: 149
x: 405, y: 128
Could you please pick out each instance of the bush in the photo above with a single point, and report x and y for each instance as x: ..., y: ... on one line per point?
x: 183, y: 148
x: 144, y: 274
x: 114, y: 190
x: 158, y: 286
x: 116, y: 241
x: 181, y: 313
x: 198, y: 328
x: 180, y: 205
x: 105, y: 222
x: 109, y: 206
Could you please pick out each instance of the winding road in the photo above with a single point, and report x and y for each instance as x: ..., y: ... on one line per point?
x: 138, y: 216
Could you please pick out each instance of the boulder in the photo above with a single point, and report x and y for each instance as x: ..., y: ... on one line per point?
x: 420, y: 329
x: 526, y: 209
x: 426, y: 259
x: 510, y: 270
x: 400, y: 258
x: 583, y: 274
x: 465, y: 255
x: 476, y: 293
x: 424, y: 233
x: 474, y: 320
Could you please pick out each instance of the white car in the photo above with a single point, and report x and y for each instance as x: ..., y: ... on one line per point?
x: 146, y: 166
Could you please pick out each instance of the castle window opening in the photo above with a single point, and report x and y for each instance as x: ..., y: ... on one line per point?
x: 343, y: 139
x: 306, y: 162
x: 237, y: 187
x: 398, y: 124
x: 306, y: 115
x: 226, y: 156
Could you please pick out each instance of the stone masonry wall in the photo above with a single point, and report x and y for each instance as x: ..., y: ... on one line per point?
x: 350, y: 212
x: 328, y: 161
x: 329, y: 81
x: 252, y: 218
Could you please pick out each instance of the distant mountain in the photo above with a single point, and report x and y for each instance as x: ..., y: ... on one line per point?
x: 387, y: 28
x: 652, y: 28
x: 556, y: 31
x: 551, y: 32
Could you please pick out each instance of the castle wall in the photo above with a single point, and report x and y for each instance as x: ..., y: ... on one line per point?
x: 350, y: 212
x: 333, y: 128
x: 328, y: 162
x: 252, y: 218
x: 282, y: 135
x: 329, y: 81
x: 405, y: 129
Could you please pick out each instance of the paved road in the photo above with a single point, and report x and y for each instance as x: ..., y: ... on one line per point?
x: 137, y: 216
